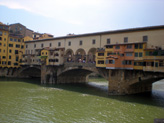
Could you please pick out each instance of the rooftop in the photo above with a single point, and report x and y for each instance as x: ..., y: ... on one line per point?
x: 104, y: 32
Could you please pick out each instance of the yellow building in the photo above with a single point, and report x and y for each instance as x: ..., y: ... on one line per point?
x: 101, y: 57
x: 4, y: 33
x: 11, y: 48
x: 15, y: 50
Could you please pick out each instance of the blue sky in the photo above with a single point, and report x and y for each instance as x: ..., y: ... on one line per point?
x: 60, y: 17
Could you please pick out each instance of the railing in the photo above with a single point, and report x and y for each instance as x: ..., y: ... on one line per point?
x: 77, y: 64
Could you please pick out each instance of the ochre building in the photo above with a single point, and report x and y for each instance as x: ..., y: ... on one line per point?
x: 11, y: 48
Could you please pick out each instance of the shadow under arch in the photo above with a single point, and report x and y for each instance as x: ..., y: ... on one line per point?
x: 74, y: 75
x: 30, y: 72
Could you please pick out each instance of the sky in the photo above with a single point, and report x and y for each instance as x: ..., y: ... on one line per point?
x: 61, y: 17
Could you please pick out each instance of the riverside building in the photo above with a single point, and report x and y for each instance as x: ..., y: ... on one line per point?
x: 136, y: 48
x: 11, y: 48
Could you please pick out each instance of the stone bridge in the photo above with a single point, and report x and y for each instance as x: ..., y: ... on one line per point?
x: 120, y: 81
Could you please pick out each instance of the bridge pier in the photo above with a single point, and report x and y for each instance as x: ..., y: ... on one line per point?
x: 48, y: 75
x: 122, y: 82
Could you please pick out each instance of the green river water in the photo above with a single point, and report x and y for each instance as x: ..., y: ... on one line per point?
x: 26, y: 101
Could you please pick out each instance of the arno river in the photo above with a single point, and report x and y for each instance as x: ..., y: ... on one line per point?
x: 25, y: 101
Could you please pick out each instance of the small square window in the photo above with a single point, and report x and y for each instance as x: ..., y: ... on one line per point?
x: 81, y: 43
x: 136, y: 54
x: 145, y: 38
x: 126, y: 40
x: 59, y: 44
x: 93, y: 41
x: 42, y: 45
x: 140, y: 54
x: 69, y: 43
x: 108, y: 41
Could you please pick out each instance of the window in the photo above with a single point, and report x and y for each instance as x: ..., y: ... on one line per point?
x: 117, y: 47
x: 34, y: 45
x: 69, y: 43
x: 140, y: 46
x: 26, y: 46
x: 136, y: 46
x: 42, y: 45
x: 127, y: 62
x: 0, y: 44
x: 16, y: 51
x: 50, y: 44
x: 9, y: 57
x: 129, y: 47
x: 109, y: 46
x: 4, y: 39
x: 15, y: 40
x: 101, y: 62
x: 15, y: 64
x: 129, y: 54
x: 145, y: 38
x: 3, y: 62
x: 81, y: 43
x: 140, y: 54
x: 111, y: 61
x: 22, y: 47
x: 138, y: 63
x: 126, y: 40
x: 4, y: 51
x: 3, y: 57
x: 10, y: 45
x: 0, y: 38
x: 19, y: 40
x: 4, y: 45
x: 93, y: 41
x: 10, y: 51
x: 108, y: 41
x: 0, y: 50
x: 31, y: 51
x: 100, y: 54
x: 59, y: 44
x: 136, y: 54
x: 9, y: 62
x: 11, y: 39
x: 161, y: 63
x: 17, y: 46
x: 0, y: 33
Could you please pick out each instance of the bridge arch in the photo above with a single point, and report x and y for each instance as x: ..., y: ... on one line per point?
x: 74, y: 75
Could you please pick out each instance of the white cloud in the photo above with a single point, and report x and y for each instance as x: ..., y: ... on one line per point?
x: 70, y: 11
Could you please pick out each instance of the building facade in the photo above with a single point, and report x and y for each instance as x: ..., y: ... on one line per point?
x: 128, y: 47
x: 18, y: 28
x: 11, y: 48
